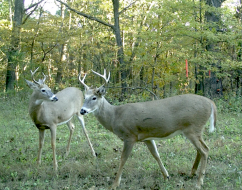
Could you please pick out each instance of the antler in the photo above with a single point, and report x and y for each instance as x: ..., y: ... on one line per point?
x: 82, y: 81
x: 104, y: 76
x: 32, y: 74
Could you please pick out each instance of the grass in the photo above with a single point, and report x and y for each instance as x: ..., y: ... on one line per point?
x: 19, y: 146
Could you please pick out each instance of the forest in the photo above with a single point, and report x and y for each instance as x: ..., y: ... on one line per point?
x: 152, y: 48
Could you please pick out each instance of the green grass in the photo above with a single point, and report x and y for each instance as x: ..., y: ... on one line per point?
x: 19, y: 146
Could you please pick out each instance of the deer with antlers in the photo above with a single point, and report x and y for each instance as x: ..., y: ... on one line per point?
x: 147, y: 121
x: 48, y: 111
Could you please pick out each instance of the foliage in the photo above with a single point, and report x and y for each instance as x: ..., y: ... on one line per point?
x: 158, y: 36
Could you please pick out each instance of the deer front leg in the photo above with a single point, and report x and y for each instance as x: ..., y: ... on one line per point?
x: 81, y: 119
x: 128, y: 145
x: 53, y: 141
x: 153, y: 150
x: 41, y: 143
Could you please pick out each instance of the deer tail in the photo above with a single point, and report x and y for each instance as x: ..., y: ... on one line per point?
x: 213, y: 117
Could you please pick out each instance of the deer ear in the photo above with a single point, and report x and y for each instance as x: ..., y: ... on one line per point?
x: 101, y: 91
x: 31, y: 84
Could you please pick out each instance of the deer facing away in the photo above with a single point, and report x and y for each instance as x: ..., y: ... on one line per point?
x: 147, y: 121
x: 47, y: 111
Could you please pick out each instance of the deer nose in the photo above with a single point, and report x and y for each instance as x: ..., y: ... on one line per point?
x: 54, y: 98
x: 83, y: 112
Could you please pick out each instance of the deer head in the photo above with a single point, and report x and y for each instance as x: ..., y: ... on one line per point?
x: 42, y: 91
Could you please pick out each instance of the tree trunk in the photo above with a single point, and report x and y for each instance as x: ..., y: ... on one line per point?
x: 62, y: 51
x: 15, y: 45
x: 119, y: 42
x: 213, y: 17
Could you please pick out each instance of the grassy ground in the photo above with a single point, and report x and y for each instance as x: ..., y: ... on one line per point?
x: 19, y: 146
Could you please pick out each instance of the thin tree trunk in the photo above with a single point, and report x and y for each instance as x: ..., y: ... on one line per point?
x: 119, y: 42
x: 15, y: 45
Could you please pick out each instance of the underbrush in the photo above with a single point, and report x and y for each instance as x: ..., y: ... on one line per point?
x: 80, y: 170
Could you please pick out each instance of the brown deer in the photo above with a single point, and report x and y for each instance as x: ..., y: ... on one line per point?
x: 47, y: 111
x: 147, y: 121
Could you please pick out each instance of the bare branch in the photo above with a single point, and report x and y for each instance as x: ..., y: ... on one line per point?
x: 30, y: 14
x: 31, y: 6
x: 127, y: 7
x: 88, y: 16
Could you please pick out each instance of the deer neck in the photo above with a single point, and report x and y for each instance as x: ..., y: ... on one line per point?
x: 105, y: 114
x: 35, y: 107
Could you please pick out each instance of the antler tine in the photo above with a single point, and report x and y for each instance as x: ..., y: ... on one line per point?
x: 32, y: 75
x: 44, y: 77
x: 82, y: 81
x: 104, y: 76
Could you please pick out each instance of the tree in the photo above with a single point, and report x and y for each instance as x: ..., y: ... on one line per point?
x: 15, y: 44
x: 210, y: 85
x: 116, y: 29
x: 14, y: 50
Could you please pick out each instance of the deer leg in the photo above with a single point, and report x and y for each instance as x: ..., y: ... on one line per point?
x: 202, y: 149
x: 71, y: 127
x: 53, y: 145
x: 128, y: 145
x: 153, y: 150
x: 196, y: 163
x: 41, y: 143
x: 81, y: 119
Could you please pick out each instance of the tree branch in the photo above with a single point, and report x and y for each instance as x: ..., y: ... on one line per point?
x: 31, y: 6
x: 127, y: 7
x: 26, y: 18
x: 88, y: 16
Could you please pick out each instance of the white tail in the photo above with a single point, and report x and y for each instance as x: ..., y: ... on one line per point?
x: 159, y: 119
x: 212, y: 120
x: 48, y: 110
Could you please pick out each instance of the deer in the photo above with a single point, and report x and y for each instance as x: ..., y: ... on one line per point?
x: 48, y: 110
x: 153, y: 120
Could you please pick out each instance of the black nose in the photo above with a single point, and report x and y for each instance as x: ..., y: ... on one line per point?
x: 55, y: 99
x: 83, y: 112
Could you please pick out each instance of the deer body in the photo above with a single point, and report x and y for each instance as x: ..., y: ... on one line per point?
x: 155, y: 119
x: 47, y: 111
x: 159, y: 119
x: 46, y: 114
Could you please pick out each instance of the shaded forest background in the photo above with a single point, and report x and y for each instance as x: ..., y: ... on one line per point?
x: 145, y: 44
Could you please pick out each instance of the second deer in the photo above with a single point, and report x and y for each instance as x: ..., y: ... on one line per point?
x: 47, y: 111
x: 147, y: 121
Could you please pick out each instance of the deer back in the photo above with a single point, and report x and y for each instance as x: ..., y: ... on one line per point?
x: 159, y: 118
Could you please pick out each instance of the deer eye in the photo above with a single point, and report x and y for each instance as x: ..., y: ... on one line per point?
x: 94, y: 98
x: 42, y: 90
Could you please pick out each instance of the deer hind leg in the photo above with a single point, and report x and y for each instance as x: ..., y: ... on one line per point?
x: 128, y: 145
x: 71, y: 127
x: 81, y: 119
x: 53, y: 145
x: 153, y: 150
x: 41, y: 143
x: 196, y: 163
x: 202, y: 156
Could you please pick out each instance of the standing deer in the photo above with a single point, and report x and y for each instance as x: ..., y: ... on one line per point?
x: 48, y: 110
x: 147, y: 121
